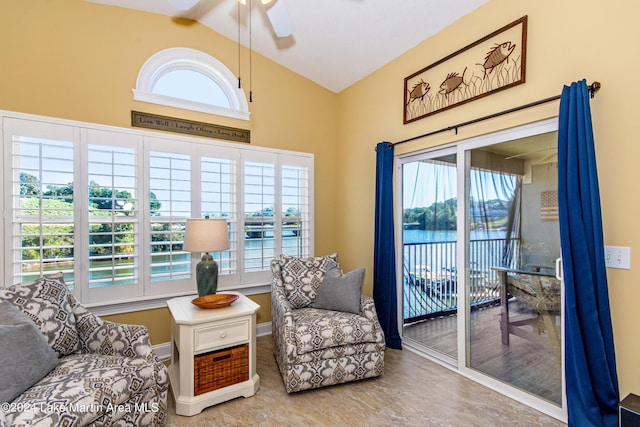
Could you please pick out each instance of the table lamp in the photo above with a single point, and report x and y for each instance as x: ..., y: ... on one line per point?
x: 206, y: 235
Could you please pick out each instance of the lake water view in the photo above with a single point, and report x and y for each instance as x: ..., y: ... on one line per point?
x: 430, y: 236
x: 433, y: 254
x: 258, y: 254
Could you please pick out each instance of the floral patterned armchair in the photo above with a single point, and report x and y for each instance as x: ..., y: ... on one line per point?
x: 316, y: 347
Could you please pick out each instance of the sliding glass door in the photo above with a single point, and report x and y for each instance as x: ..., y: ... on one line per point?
x: 514, y: 297
x: 480, y: 246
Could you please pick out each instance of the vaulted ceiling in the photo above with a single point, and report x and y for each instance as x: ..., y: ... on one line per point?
x: 334, y: 43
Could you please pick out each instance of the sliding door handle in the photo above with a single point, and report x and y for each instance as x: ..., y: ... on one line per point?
x: 559, y: 268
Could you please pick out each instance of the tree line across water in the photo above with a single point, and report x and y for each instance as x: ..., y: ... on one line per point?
x: 442, y: 216
x: 106, y: 237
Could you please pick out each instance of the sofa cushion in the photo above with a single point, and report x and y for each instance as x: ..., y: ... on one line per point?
x: 25, y: 356
x: 340, y: 292
x: 302, y: 277
x: 317, y: 329
x: 87, y: 388
x: 45, y: 302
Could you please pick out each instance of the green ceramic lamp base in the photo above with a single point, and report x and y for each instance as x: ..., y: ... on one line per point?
x: 207, y: 275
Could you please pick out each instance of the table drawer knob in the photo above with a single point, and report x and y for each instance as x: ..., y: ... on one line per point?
x: 223, y: 335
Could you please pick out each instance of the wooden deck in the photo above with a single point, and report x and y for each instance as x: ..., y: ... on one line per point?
x: 533, y: 366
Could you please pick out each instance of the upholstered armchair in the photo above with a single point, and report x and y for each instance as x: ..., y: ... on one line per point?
x: 75, y: 369
x: 316, y: 347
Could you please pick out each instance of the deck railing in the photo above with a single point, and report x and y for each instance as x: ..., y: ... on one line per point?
x: 431, y: 276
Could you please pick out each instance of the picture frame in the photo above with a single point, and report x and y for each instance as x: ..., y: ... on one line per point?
x: 491, y: 64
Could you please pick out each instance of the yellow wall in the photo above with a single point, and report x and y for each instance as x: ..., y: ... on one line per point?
x: 567, y: 41
x: 77, y: 60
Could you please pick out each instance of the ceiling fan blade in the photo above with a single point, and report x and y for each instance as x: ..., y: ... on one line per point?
x: 280, y: 19
x: 183, y: 4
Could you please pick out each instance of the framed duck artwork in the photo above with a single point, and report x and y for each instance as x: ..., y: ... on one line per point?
x: 495, y: 62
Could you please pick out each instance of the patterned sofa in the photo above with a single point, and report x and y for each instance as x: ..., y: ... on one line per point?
x: 104, y: 374
x: 317, y: 347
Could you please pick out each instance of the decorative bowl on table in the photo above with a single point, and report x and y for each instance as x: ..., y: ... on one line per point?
x: 214, y: 300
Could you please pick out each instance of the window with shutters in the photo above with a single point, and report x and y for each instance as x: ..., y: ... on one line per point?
x: 108, y: 206
x: 43, y: 221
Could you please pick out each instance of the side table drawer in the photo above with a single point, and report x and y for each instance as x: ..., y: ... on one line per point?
x: 224, y: 335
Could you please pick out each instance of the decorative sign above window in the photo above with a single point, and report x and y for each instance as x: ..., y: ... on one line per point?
x: 171, y: 124
x: 489, y: 65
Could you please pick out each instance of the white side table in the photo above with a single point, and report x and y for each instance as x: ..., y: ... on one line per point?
x: 210, y: 336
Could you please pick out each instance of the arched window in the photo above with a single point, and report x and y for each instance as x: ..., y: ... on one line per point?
x: 190, y: 79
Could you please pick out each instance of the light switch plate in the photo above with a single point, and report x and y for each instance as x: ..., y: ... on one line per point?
x: 617, y: 257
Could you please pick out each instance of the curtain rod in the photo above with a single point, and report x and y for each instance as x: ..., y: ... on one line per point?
x: 593, y: 88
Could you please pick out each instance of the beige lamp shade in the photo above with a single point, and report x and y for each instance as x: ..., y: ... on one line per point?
x: 206, y: 235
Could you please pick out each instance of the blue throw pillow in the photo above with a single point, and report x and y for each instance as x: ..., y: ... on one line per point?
x: 340, y: 292
x: 25, y: 355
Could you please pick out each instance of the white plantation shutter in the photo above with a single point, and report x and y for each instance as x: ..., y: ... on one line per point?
x: 259, y: 214
x: 296, y: 207
x: 278, y: 205
x: 218, y: 192
x: 108, y: 217
x: 108, y: 206
x: 42, y: 215
x: 113, y: 208
x: 170, y: 181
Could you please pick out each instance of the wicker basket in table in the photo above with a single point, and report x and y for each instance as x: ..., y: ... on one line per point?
x: 220, y: 368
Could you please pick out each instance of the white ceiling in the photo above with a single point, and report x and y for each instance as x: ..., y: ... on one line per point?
x: 335, y: 42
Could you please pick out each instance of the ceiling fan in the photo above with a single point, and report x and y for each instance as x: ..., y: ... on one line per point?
x: 276, y: 11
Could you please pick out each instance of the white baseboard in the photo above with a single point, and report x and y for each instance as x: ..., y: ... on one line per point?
x: 163, y: 351
x: 263, y: 329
